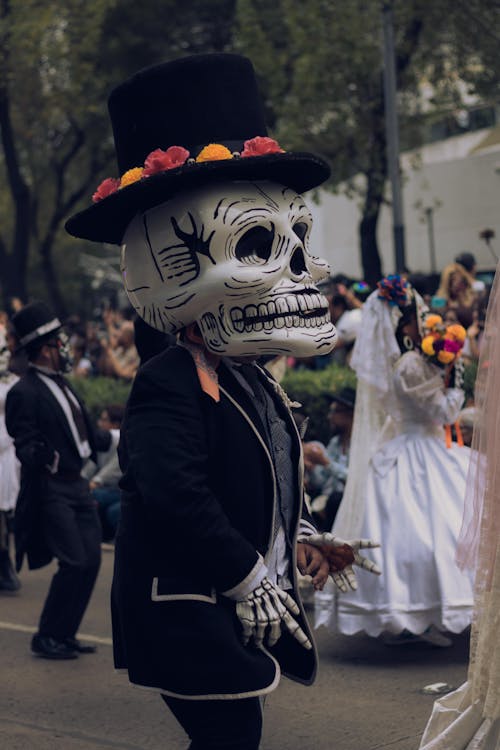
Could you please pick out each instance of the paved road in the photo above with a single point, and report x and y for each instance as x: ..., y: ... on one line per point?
x: 367, y: 696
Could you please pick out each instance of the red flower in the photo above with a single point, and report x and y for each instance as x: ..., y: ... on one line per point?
x: 160, y: 161
x: 259, y: 146
x: 107, y: 186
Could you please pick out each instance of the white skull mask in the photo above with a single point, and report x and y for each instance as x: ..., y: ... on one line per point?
x: 233, y: 257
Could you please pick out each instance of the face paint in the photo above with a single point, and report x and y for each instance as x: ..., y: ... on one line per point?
x: 64, y: 351
x: 234, y: 258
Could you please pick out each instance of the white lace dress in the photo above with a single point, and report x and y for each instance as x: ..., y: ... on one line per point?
x: 413, y: 496
x: 9, y: 465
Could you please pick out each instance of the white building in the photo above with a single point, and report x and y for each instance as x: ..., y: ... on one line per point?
x: 448, y: 200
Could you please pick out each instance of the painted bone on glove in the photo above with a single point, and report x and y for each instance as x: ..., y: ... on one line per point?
x: 342, y: 556
x: 233, y: 257
x: 264, y: 611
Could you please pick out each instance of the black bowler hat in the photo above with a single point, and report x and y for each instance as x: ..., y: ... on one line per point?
x: 345, y: 396
x: 192, y: 103
x: 33, y: 322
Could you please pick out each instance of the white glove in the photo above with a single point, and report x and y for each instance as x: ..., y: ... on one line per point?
x: 342, y: 556
x: 267, y: 608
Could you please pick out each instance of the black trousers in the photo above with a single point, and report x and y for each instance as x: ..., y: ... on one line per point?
x: 72, y: 529
x: 219, y: 724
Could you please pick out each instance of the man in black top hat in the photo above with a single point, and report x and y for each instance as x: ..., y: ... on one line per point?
x: 55, y: 515
x: 214, y: 237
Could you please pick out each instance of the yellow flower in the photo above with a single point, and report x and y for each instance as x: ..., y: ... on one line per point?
x: 132, y: 175
x: 214, y: 152
x: 428, y: 345
x: 445, y: 357
x: 432, y: 320
x: 457, y: 332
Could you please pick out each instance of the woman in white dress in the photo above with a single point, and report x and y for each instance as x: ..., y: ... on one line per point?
x: 469, y: 718
x: 9, y: 472
x: 405, y: 486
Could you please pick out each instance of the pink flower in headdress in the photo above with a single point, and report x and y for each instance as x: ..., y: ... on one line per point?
x: 259, y: 146
x: 161, y: 161
x: 107, y: 187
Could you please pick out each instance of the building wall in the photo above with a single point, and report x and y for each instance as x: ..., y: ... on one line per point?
x: 458, y: 178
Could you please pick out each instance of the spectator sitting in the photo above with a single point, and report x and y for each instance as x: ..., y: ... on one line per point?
x: 326, y: 480
x: 120, y: 360
x: 104, y: 483
x: 82, y: 366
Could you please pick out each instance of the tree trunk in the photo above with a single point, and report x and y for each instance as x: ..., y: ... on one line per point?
x: 370, y: 257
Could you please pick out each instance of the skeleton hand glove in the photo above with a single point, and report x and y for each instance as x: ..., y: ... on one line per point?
x: 267, y: 608
x: 342, y: 556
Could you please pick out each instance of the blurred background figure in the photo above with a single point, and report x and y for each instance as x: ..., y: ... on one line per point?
x: 119, y: 357
x: 9, y: 472
x: 104, y: 482
x: 325, y: 481
x: 456, y: 287
x: 468, y: 261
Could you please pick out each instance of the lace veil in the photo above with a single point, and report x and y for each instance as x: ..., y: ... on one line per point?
x: 479, y: 543
x: 374, y: 355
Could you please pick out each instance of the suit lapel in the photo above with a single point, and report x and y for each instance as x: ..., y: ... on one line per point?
x: 229, y: 382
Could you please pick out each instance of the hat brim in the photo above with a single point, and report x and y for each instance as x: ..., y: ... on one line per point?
x: 107, y: 220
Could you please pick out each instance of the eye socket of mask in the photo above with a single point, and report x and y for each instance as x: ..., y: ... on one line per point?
x: 255, y: 244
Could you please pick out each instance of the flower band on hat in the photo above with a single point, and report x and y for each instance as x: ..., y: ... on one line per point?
x: 177, y: 156
x: 52, y: 325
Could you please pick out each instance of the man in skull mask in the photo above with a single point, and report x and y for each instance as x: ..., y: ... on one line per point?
x: 214, y: 236
x: 55, y: 515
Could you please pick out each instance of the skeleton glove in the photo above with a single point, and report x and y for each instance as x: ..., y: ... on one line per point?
x: 264, y: 611
x: 341, y: 556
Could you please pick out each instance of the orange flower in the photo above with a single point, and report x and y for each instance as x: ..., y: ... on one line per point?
x: 214, y: 152
x: 432, y: 320
x: 427, y: 345
x: 457, y: 332
x: 445, y: 357
x: 130, y: 176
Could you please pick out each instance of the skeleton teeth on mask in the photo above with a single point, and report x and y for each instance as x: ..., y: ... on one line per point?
x: 234, y: 258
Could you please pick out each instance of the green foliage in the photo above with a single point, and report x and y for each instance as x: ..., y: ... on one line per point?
x: 97, y: 393
x: 309, y: 388
x: 470, y: 374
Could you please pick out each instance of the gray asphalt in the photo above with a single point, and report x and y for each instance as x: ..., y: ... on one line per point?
x: 367, y: 695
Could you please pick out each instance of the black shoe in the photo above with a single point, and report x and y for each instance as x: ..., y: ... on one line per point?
x: 78, y: 646
x: 49, y: 648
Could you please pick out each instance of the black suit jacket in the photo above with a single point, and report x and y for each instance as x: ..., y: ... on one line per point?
x: 38, y: 425
x: 197, y: 507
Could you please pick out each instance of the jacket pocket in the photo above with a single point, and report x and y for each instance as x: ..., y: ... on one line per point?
x: 167, y: 589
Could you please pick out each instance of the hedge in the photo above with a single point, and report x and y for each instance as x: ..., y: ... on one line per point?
x: 99, y: 392
x: 308, y: 387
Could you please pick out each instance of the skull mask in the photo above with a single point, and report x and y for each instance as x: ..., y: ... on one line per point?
x: 233, y: 257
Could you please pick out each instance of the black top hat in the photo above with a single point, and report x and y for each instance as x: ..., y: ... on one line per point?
x: 190, y: 102
x: 345, y: 396
x: 34, y: 321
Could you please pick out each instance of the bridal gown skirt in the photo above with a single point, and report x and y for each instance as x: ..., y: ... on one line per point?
x: 414, y: 502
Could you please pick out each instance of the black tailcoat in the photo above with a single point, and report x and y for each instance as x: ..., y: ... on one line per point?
x: 198, y: 498
x: 36, y: 421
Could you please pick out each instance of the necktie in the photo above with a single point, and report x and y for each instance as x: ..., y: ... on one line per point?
x: 76, y: 412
